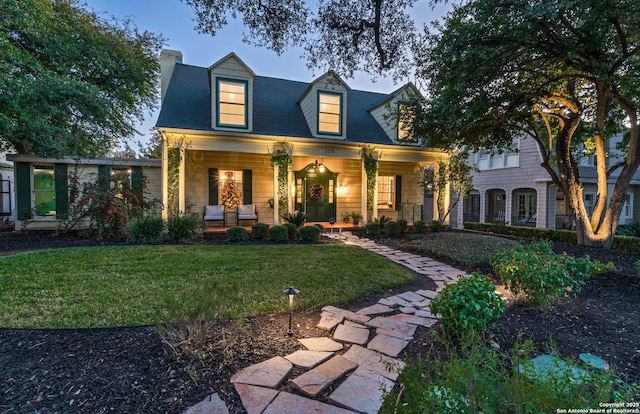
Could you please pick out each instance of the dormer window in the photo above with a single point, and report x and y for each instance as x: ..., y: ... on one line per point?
x: 232, y: 103
x: 330, y: 113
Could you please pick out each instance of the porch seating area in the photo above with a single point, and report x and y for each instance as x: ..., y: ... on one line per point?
x: 215, y: 215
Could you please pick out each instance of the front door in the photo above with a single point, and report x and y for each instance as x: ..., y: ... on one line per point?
x: 316, y: 192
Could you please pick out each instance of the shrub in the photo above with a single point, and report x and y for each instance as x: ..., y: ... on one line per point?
x: 292, y: 230
x: 185, y: 227
x: 434, y: 226
x: 469, y: 305
x: 297, y: 218
x: 382, y: 221
x: 638, y: 267
x: 237, y: 234
x: 310, y: 234
x: 259, y: 231
x: 145, y: 230
x: 403, y: 226
x: 540, y: 275
x: 419, y: 227
x: 278, y: 234
x: 319, y: 226
x: 392, y: 228
x: 631, y: 230
x: 373, y: 228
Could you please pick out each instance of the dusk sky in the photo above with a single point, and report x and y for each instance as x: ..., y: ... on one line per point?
x: 175, y: 21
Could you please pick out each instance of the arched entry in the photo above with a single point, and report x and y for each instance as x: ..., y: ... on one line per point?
x: 316, y: 192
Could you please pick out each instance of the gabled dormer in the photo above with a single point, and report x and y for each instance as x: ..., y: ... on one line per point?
x: 388, y: 114
x: 231, y: 82
x: 324, y: 104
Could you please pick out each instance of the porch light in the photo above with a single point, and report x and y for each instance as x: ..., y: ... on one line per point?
x: 342, y: 189
x: 319, y: 167
x: 291, y: 292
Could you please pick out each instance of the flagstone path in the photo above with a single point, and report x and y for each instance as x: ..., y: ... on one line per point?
x: 363, y: 350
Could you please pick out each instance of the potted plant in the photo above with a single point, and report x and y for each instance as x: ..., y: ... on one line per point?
x: 346, y: 216
x: 356, y: 217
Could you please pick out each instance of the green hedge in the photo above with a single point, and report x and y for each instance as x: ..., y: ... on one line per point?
x: 624, y: 243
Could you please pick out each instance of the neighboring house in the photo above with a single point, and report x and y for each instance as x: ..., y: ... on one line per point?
x: 42, y: 184
x: 513, y: 188
x: 7, y: 212
x: 226, y: 121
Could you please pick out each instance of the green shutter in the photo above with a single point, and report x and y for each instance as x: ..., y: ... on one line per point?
x: 213, y: 186
x: 61, y: 180
x: 247, y: 186
x: 398, y: 193
x: 104, y: 172
x: 137, y: 181
x: 23, y: 190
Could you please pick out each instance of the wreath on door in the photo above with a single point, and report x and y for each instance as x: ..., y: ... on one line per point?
x: 316, y: 192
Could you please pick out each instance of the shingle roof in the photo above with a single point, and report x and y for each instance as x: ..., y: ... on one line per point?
x: 187, y: 105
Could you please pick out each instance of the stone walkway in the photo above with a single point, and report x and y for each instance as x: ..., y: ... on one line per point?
x: 363, y: 350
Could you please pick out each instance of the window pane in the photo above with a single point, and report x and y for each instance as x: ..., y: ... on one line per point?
x: 230, y: 186
x: 44, y: 191
x: 329, y: 113
x: 386, y: 192
x: 327, y: 127
x: 232, y: 103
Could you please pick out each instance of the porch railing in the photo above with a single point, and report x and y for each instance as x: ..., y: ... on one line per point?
x: 411, y: 212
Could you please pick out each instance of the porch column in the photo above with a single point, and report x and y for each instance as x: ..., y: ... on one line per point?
x: 363, y: 195
x: 181, y: 181
x: 165, y: 179
x: 276, y: 200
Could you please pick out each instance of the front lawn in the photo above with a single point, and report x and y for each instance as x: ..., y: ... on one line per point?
x: 139, y: 285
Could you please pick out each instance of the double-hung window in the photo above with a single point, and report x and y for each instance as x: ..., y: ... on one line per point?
x: 329, y: 113
x: 44, y: 191
x: 386, y: 192
x: 232, y: 103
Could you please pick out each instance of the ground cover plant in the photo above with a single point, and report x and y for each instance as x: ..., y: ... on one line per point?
x: 142, y: 285
x: 471, y: 252
x: 473, y: 377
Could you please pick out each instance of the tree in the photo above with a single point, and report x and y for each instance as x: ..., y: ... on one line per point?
x: 72, y: 83
x: 230, y: 196
x: 373, y: 36
x: 457, y: 174
x: 564, y: 73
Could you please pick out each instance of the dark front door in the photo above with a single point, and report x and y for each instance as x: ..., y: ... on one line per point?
x: 316, y: 192
x: 318, y: 206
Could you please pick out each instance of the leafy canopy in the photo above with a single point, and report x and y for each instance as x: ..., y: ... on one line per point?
x: 72, y: 82
x: 373, y: 36
x: 564, y: 73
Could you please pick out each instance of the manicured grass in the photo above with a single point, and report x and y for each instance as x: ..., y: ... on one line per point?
x: 138, y: 285
x: 468, y: 249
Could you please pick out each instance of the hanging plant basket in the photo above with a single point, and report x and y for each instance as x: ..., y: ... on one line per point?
x: 316, y: 192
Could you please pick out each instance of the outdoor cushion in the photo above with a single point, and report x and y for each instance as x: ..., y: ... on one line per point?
x: 214, y: 212
x: 247, y: 212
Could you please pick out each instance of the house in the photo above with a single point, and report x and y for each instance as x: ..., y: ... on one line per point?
x: 42, y: 184
x: 511, y: 187
x: 7, y: 213
x: 225, y: 123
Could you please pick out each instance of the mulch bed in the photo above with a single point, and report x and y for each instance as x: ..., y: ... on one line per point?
x: 168, y: 369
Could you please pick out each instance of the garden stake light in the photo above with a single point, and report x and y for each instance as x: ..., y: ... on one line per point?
x: 291, y: 292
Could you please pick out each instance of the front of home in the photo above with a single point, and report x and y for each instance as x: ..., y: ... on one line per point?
x: 285, y: 146
x: 511, y: 187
